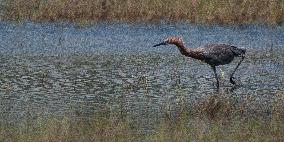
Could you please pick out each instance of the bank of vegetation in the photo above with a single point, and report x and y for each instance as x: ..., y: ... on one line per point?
x: 192, y: 11
x: 213, y: 120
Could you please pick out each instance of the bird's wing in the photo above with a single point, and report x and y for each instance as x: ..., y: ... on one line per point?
x: 217, y: 53
x: 217, y: 49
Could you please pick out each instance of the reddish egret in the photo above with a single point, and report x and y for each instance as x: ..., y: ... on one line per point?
x: 212, y: 54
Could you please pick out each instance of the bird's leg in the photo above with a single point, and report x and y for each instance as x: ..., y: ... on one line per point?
x: 216, y: 76
x: 231, y: 77
x: 222, y: 72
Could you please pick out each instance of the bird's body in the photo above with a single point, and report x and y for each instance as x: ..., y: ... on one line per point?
x: 220, y: 54
x: 212, y: 54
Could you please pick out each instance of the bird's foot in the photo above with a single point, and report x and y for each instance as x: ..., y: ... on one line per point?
x: 217, y: 85
x: 232, y: 80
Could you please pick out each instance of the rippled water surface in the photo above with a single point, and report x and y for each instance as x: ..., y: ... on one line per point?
x: 59, y: 69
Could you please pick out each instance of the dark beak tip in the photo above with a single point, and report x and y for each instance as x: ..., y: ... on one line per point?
x: 163, y: 43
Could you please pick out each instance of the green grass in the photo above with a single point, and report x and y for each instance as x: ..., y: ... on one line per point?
x: 183, y: 128
x: 193, y: 11
x: 215, y: 119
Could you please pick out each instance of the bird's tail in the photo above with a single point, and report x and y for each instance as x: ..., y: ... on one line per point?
x: 238, y: 51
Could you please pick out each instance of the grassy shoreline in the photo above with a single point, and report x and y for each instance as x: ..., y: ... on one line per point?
x: 215, y: 119
x: 192, y: 11
x: 183, y: 127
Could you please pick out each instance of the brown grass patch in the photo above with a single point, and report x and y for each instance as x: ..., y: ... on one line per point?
x: 193, y: 11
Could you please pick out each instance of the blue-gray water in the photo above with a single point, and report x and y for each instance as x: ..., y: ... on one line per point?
x: 59, y: 69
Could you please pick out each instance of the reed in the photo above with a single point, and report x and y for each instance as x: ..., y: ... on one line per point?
x: 183, y: 128
x: 215, y: 119
x: 192, y: 11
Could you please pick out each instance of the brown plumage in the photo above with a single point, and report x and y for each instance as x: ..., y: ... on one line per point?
x: 212, y: 54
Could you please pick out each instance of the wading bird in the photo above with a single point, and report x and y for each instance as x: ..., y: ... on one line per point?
x: 212, y: 54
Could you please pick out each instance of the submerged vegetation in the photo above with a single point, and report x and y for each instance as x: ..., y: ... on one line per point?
x: 193, y: 11
x: 215, y: 119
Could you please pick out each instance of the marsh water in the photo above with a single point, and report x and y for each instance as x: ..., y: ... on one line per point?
x: 61, y: 69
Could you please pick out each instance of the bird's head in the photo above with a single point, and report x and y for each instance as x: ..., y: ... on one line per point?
x: 170, y: 40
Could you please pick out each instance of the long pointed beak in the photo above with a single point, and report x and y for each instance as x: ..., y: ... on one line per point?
x: 162, y: 43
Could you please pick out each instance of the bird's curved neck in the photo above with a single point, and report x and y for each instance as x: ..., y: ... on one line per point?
x: 189, y: 52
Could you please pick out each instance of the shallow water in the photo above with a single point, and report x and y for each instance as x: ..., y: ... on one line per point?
x: 59, y: 69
